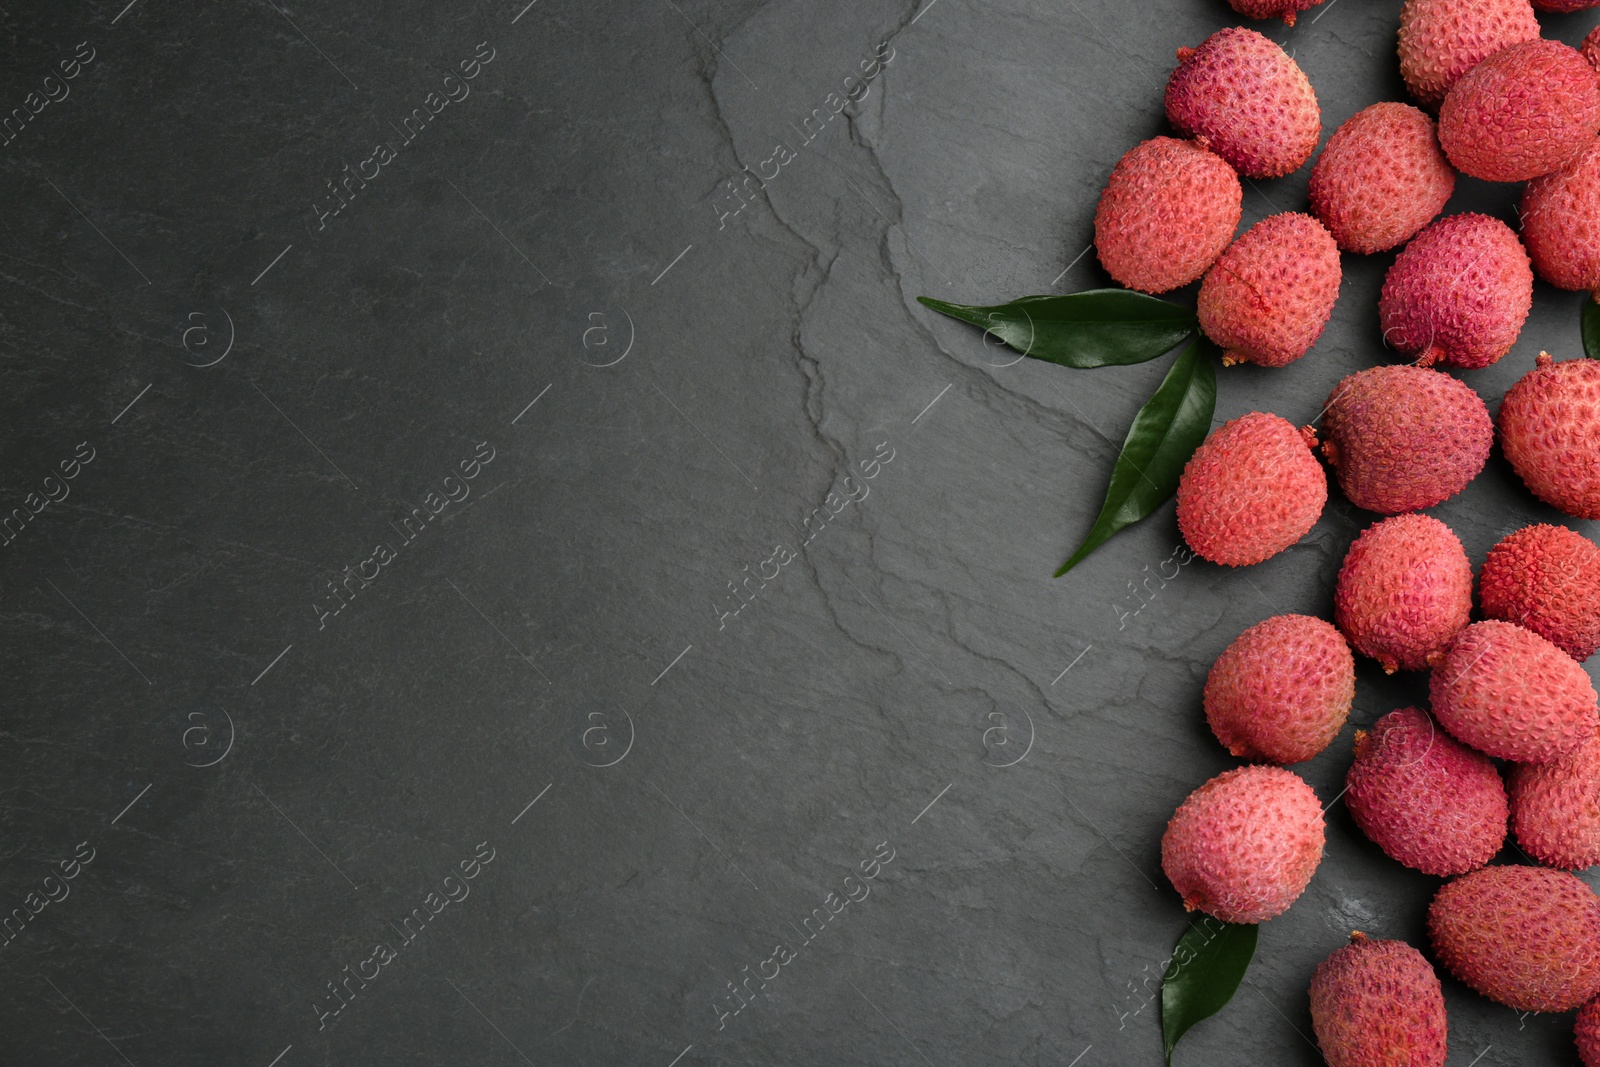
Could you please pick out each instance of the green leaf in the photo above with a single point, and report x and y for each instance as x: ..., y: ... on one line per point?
x: 1207, y: 966
x: 1097, y: 328
x: 1163, y: 436
x: 1591, y: 329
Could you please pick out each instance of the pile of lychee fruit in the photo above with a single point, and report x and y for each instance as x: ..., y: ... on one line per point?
x: 1512, y: 737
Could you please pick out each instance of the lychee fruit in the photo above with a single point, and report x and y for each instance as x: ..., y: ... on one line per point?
x: 1251, y: 489
x: 1272, y: 9
x: 1440, y: 40
x: 1524, y: 936
x: 1549, y: 425
x: 1282, y: 690
x: 1268, y: 298
x: 1564, y: 6
x: 1378, y: 1004
x: 1381, y: 177
x: 1509, y: 692
x: 1555, y: 807
x: 1249, y: 102
x: 1243, y: 846
x: 1459, y: 293
x: 1586, y: 1032
x: 1521, y: 113
x: 1404, y: 438
x: 1404, y: 590
x: 1426, y: 799
x: 1168, y: 210
x: 1547, y: 579
x: 1590, y: 48
x: 1561, y: 224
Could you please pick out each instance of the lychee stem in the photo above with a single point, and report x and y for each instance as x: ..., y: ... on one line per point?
x: 1434, y: 353
x: 1231, y: 358
x: 1288, y: 19
x: 1543, y: 359
x: 1358, y: 938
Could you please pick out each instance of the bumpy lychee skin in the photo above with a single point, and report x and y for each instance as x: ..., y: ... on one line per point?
x: 1272, y: 9
x: 1524, y: 936
x: 1404, y: 590
x: 1282, y: 690
x: 1378, y: 1004
x: 1440, y: 40
x: 1564, y: 6
x: 1525, y: 111
x: 1549, y: 427
x: 1590, y: 48
x: 1586, y: 1032
x: 1268, y: 298
x: 1404, y: 438
x: 1251, y: 489
x: 1509, y: 692
x: 1243, y: 846
x: 1561, y: 224
x: 1547, y: 579
x: 1459, y: 293
x: 1426, y: 799
x: 1251, y: 103
x: 1381, y: 177
x: 1555, y: 807
x: 1167, y: 212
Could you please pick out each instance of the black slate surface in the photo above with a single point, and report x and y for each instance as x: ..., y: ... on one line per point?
x: 609, y: 670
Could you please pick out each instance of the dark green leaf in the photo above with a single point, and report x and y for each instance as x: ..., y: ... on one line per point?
x: 1163, y: 436
x: 1591, y: 329
x: 1098, y: 328
x: 1206, y: 968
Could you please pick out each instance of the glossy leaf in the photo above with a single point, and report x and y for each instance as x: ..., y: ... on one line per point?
x: 1207, y: 966
x: 1591, y: 329
x: 1164, y: 434
x: 1097, y: 328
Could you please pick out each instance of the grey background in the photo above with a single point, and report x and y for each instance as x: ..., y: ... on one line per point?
x: 581, y: 585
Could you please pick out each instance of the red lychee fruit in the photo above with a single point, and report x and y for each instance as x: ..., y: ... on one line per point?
x: 1546, y: 579
x: 1404, y: 591
x: 1282, y: 690
x: 1564, y: 6
x: 1251, y: 489
x: 1426, y: 799
x: 1549, y: 427
x: 1440, y: 40
x: 1274, y: 9
x: 1381, y: 177
x: 1555, y: 807
x: 1378, y: 1004
x: 1249, y: 101
x: 1586, y: 1032
x: 1168, y: 210
x: 1404, y: 438
x: 1268, y: 298
x: 1243, y: 846
x: 1561, y: 224
x: 1524, y: 936
x: 1509, y: 692
x: 1523, y: 112
x: 1590, y: 48
x: 1458, y: 294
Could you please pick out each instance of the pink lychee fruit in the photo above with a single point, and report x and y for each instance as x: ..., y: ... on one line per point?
x: 1440, y: 40
x: 1586, y: 1032
x: 1549, y: 425
x: 1378, y: 1004
x: 1251, y: 489
x: 1509, y: 692
x: 1521, y: 113
x: 1249, y: 102
x: 1404, y: 590
x: 1268, y: 298
x: 1555, y: 807
x: 1561, y: 224
x: 1243, y: 846
x: 1547, y: 579
x: 1404, y: 438
x: 1426, y: 799
x: 1458, y: 294
x: 1381, y: 177
x: 1168, y: 210
x: 1272, y: 9
x: 1282, y: 690
x: 1524, y: 936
